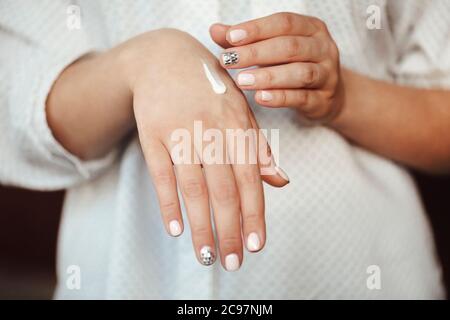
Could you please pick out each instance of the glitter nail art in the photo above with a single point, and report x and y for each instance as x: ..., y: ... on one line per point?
x: 230, y: 58
x: 207, y: 256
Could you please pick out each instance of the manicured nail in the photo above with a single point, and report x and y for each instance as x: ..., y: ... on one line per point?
x: 282, y: 173
x: 253, y: 243
x: 266, y: 96
x: 246, y: 79
x: 174, y: 228
x: 230, y: 58
x: 232, y: 262
x: 237, y: 35
x: 207, y: 256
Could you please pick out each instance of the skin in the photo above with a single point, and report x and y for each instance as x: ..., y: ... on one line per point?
x: 104, y: 97
x: 298, y: 64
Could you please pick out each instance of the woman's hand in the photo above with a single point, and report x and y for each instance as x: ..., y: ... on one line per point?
x: 297, y: 58
x: 170, y: 92
x: 299, y: 67
x: 157, y: 81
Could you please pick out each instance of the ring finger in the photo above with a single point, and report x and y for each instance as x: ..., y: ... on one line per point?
x: 195, y: 195
x: 286, y: 76
x: 227, y: 215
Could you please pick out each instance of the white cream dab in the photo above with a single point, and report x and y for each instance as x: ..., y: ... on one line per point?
x: 216, y: 83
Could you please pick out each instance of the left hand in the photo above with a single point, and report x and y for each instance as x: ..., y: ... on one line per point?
x: 297, y: 59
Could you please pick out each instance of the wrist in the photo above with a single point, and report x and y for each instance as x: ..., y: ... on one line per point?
x: 141, y: 56
x: 344, y: 116
x: 90, y: 90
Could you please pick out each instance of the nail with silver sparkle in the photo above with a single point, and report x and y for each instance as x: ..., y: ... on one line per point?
x: 207, y: 256
x: 230, y: 58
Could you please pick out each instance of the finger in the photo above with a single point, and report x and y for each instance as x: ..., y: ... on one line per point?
x: 246, y: 172
x: 278, y: 50
x: 161, y: 171
x: 271, y: 26
x: 218, y: 33
x: 227, y: 216
x: 270, y: 172
x: 286, y: 76
x: 307, y: 102
x: 195, y: 195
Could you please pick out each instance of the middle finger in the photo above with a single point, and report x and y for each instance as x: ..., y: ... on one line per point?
x: 277, y: 50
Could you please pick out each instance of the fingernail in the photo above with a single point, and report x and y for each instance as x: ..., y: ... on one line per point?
x: 207, y: 256
x: 282, y: 173
x: 238, y: 35
x: 232, y: 262
x: 246, y: 79
x: 253, y: 243
x: 266, y: 96
x: 174, y: 228
x: 230, y: 58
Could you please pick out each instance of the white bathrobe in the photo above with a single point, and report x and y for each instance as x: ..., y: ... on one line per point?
x: 349, y: 225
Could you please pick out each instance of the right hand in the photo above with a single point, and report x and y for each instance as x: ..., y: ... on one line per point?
x: 164, y: 72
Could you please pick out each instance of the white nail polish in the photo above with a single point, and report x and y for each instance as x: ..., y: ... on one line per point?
x: 238, y: 35
x: 232, y: 262
x: 282, y: 173
x: 246, y: 79
x: 174, y: 228
x: 266, y: 96
x: 253, y: 243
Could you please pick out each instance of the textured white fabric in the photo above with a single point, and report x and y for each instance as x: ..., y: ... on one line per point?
x: 345, y: 209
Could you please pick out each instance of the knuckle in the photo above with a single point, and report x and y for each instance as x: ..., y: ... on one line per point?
x: 286, y: 22
x: 193, y: 188
x: 225, y: 192
x: 252, y: 53
x: 298, y: 99
x: 267, y: 77
x: 249, y: 177
x: 163, y: 178
x: 201, y: 231
x: 252, y: 218
x: 230, y: 242
x: 302, y: 98
x: 320, y: 24
x: 282, y: 98
x: 292, y: 47
x: 309, y: 75
x: 254, y: 29
x: 169, y: 207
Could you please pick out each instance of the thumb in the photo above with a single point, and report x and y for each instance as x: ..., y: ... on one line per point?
x: 218, y: 33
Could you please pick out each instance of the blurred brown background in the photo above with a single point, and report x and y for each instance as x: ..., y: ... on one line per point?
x: 29, y: 223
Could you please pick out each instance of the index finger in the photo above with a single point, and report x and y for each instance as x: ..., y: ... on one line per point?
x: 277, y: 24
